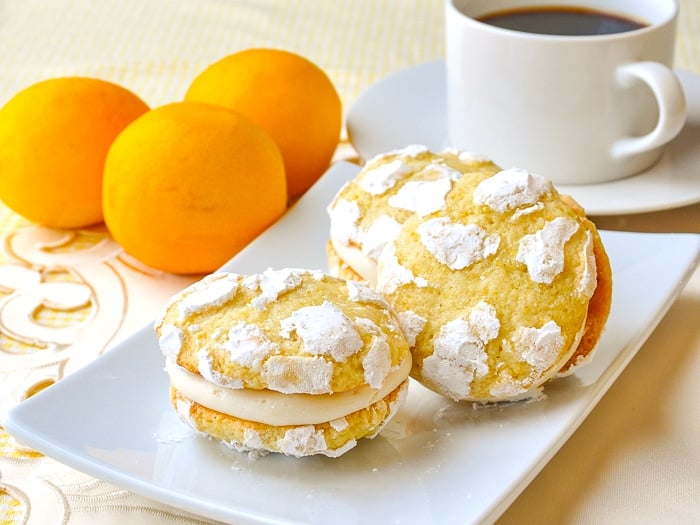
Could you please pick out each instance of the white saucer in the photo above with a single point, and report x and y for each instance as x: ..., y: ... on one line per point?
x: 408, y: 107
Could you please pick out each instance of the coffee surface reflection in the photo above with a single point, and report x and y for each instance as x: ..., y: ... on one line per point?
x: 564, y: 21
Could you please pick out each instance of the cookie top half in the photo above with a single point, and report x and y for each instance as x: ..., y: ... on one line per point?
x: 288, y: 330
x: 493, y: 288
x: 368, y: 211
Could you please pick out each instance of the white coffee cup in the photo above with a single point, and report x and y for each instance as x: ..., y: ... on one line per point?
x: 576, y: 109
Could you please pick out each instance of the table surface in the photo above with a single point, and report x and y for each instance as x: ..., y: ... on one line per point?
x: 636, y: 458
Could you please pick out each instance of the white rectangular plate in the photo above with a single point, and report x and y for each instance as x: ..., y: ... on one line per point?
x: 437, y: 462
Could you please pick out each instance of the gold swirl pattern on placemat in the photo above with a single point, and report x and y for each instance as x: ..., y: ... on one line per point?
x: 65, y: 298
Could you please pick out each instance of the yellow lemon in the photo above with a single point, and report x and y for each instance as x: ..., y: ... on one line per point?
x: 187, y: 185
x: 54, y: 136
x: 288, y: 96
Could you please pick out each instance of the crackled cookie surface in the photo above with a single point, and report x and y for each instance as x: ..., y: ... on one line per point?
x: 368, y: 211
x: 494, y: 289
x: 291, y: 361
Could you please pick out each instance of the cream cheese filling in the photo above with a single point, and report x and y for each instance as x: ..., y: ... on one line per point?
x: 275, y: 408
x: 358, y: 261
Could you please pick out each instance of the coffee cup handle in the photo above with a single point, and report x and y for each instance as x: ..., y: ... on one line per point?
x: 671, y: 101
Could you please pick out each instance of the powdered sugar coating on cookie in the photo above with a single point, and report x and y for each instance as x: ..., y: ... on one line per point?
x: 384, y: 177
x: 252, y: 440
x: 543, y: 251
x: 505, y: 387
x: 457, y: 245
x: 377, y: 361
x: 589, y: 276
x: 205, y: 367
x: 540, y: 347
x: 307, y: 440
x: 170, y: 340
x: 393, y: 274
x: 412, y: 324
x: 510, y: 189
x: 466, y: 156
x: 291, y: 374
x: 460, y: 348
x: 339, y: 424
x: 182, y: 409
x: 272, y: 283
x: 422, y: 197
x: 410, y: 151
x: 344, y: 215
x: 361, y: 293
x: 324, y: 329
x: 381, y: 232
x: 302, y: 441
x: 248, y: 345
x: 214, y: 290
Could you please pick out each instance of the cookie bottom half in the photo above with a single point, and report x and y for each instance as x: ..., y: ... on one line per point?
x: 332, y: 438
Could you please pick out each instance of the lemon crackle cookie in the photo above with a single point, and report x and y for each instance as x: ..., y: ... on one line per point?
x: 368, y: 211
x: 503, y: 288
x: 291, y: 361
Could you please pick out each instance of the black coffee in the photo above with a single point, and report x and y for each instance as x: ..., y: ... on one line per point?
x: 556, y: 20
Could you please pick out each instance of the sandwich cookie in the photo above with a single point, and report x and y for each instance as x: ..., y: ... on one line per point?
x: 290, y: 361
